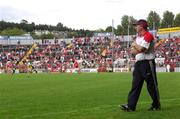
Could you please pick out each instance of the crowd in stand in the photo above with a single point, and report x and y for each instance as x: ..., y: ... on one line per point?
x: 85, y: 53
x: 81, y: 51
x: 169, y: 49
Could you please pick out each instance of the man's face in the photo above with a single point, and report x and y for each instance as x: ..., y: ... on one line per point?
x: 138, y: 28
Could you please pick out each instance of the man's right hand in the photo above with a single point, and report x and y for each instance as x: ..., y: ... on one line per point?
x: 134, y: 51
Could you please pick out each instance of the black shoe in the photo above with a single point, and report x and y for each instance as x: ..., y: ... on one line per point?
x: 154, y: 108
x: 126, y: 108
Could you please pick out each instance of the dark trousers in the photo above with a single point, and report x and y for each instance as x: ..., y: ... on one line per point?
x: 142, y: 71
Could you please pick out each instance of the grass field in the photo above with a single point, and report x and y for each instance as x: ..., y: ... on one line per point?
x: 84, y: 96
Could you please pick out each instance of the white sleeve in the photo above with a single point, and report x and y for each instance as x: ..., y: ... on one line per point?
x: 144, y: 44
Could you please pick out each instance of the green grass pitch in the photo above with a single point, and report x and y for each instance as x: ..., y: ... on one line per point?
x: 84, y: 96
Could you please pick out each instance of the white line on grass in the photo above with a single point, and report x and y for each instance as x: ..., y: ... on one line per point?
x: 164, y: 100
x: 93, y: 108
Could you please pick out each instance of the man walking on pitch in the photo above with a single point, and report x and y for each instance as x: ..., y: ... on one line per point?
x: 144, y: 68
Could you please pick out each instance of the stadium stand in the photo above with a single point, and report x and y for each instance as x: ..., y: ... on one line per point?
x: 82, y: 54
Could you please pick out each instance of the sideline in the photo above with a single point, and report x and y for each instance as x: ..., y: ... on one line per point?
x: 93, y: 108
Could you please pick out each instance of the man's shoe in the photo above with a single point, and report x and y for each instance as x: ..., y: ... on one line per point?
x: 126, y: 108
x: 154, y: 108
